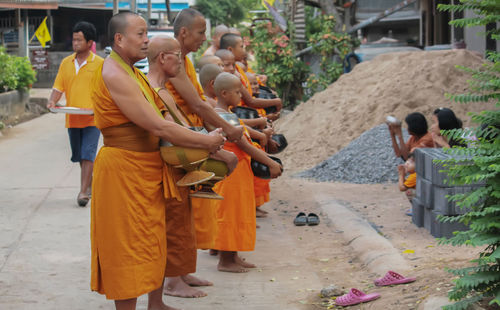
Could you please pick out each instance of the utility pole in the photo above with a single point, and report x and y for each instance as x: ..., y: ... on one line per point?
x: 133, y: 6
x: 149, y: 12
x: 115, y: 7
x: 169, y: 15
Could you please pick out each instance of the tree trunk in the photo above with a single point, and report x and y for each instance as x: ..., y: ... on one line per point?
x: 328, y: 7
x: 169, y: 14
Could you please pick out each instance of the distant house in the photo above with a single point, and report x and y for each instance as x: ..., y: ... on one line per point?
x: 20, y: 19
x: 418, y: 24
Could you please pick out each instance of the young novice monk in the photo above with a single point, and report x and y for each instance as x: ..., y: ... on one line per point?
x: 261, y: 186
x: 210, y: 59
x: 236, y: 223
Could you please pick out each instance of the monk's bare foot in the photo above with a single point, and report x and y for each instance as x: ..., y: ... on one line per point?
x: 162, y: 307
x: 194, y: 281
x: 257, y: 226
x: 262, y: 210
x: 213, y: 252
x: 240, y: 261
x: 155, y: 300
x: 231, y: 267
x: 178, y: 288
x: 259, y: 213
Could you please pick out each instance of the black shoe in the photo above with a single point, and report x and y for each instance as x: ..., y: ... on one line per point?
x: 300, y: 219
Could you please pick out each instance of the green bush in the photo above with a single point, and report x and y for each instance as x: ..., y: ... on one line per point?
x: 481, y: 163
x: 15, y: 72
x: 275, y: 55
x: 332, y: 47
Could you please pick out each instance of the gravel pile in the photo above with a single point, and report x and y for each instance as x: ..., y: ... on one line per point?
x: 367, y: 159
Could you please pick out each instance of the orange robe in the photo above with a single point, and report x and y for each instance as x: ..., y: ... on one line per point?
x: 244, y: 80
x: 261, y: 186
x: 181, y: 235
x: 249, y: 69
x: 203, y: 210
x: 236, y: 222
x: 130, y: 187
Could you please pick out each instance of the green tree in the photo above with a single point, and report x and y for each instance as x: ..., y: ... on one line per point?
x: 228, y: 12
x: 480, y: 163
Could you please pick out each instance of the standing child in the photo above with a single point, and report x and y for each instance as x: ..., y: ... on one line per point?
x: 236, y: 223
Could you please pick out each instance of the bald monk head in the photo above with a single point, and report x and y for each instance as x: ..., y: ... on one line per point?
x: 209, y: 59
x: 227, y: 89
x: 129, y: 36
x: 189, y: 30
x: 234, y: 43
x: 254, y: 84
x: 219, y: 31
x: 227, y: 60
x: 208, y: 74
x: 235, y: 31
x: 241, y: 65
x: 164, y: 53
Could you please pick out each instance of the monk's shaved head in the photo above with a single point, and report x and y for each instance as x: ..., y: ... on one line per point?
x: 226, y: 81
x: 235, y: 31
x: 185, y: 19
x: 250, y: 76
x: 224, y: 54
x: 220, y: 30
x: 229, y: 40
x: 208, y: 73
x: 161, y: 43
x: 117, y: 24
x: 208, y: 59
x: 242, y: 65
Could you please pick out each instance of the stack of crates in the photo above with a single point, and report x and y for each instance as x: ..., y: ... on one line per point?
x: 433, y: 189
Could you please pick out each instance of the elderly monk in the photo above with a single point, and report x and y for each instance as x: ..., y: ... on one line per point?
x: 164, y: 62
x: 189, y: 30
x: 131, y: 182
x: 219, y: 31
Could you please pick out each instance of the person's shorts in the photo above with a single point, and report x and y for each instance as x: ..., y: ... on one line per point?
x: 83, y: 143
x: 410, y: 194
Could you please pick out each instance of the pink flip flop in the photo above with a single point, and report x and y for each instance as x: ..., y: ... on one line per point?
x: 355, y: 297
x: 393, y: 278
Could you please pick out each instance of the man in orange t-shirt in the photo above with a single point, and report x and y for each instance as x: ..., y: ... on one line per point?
x: 73, y: 79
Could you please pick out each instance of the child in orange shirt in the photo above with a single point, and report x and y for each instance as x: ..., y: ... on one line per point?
x: 409, y: 184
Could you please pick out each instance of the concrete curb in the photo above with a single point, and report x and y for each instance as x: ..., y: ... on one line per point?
x: 373, y: 250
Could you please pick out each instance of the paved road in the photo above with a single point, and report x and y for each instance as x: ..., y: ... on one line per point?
x: 45, y: 246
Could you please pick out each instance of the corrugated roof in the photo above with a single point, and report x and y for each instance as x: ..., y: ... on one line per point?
x: 28, y: 4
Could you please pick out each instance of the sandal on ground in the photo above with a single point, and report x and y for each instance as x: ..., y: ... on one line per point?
x: 312, y: 219
x: 300, y: 219
x: 355, y: 297
x: 393, y: 278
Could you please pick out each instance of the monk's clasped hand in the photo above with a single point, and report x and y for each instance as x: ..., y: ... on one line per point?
x: 217, y: 140
x: 235, y: 133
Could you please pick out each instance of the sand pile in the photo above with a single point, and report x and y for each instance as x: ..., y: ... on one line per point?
x: 391, y: 84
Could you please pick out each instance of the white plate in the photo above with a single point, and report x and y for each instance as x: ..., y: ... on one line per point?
x: 72, y: 110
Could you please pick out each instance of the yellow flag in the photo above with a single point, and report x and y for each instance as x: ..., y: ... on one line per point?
x: 42, y: 32
x: 270, y: 2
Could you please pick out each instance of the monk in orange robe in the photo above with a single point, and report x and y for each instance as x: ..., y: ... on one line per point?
x: 189, y: 30
x: 261, y: 186
x: 219, y: 31
x: 236, y: 213
x: 234, y: 44
x: 131, y: 182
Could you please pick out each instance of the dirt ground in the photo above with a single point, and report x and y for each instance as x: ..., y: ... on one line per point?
x: 334, y: 260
